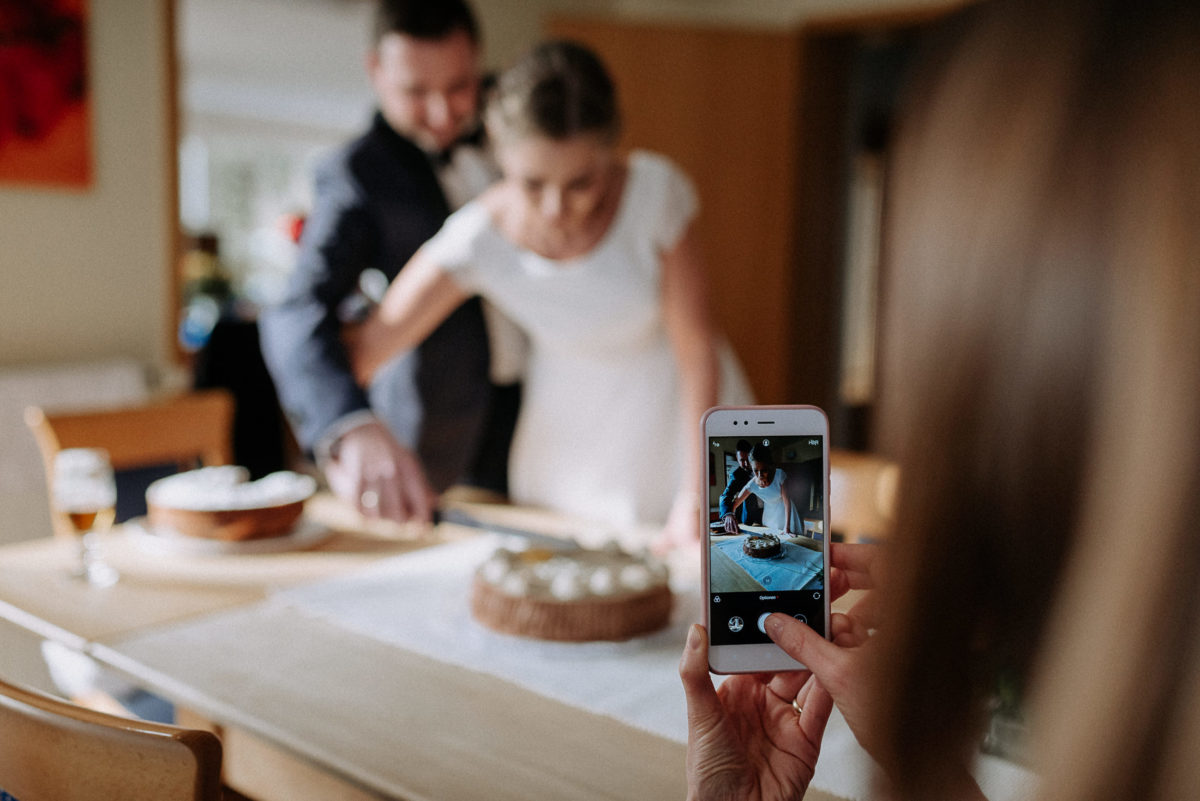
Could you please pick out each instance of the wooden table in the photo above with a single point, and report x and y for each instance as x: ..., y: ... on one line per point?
x: 308, y: 710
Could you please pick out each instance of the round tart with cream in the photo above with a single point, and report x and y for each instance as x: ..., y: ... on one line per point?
x: 762, y: 546
x: 221, y: 503
x: 574, y: 595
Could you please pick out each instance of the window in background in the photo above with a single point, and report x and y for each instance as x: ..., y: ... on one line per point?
x: 248, y: 194
x: 266, y: 87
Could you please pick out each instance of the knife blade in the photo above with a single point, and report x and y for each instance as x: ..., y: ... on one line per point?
x: 460, y: 518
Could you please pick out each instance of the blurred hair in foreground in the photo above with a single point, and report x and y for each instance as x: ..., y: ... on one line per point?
x: 1042, y: 377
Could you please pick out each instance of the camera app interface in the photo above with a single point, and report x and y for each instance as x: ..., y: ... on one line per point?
x: 766, y: 502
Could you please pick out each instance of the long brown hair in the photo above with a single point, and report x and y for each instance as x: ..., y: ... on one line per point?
x: 1042, y: 393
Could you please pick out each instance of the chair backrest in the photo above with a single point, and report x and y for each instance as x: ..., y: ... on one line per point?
x: 862, y: 490
x: 52, y: 750
x: 185, y: 431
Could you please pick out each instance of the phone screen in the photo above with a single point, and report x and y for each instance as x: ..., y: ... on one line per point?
x: 773, y: 487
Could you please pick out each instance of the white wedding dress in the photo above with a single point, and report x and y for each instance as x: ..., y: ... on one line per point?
x: 599, y: 435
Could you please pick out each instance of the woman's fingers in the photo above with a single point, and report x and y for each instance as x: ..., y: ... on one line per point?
x: 855, y: 556
x: 703, y: 705
x: 866, y: 610
x: 788, y: 684
x: 816, y: 704
x: 849, y: 631
x: 856, y: 561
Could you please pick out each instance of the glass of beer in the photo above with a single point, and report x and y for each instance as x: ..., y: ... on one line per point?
x: 85, y: 492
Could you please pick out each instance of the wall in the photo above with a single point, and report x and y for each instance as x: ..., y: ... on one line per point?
x: 310, y: 79
x: 85, y: 272
x: 510, y: 25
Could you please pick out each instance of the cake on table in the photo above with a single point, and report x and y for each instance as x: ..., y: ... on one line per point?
x: 222, y: 503
x: 572, y: 595
x: 762, y: 546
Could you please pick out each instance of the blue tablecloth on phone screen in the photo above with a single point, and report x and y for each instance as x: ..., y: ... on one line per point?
x: 799, y: 568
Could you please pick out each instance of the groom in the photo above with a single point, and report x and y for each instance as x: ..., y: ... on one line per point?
x: 431, y: 418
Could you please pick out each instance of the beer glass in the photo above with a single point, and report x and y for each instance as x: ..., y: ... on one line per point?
x: 85, y: 492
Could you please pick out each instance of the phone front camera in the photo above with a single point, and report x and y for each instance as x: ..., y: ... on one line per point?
x: 735, y: 422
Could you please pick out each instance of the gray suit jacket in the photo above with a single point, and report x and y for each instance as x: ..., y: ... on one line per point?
x: 377, y: 200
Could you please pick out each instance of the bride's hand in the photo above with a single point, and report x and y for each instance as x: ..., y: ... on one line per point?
x: 682, y: 529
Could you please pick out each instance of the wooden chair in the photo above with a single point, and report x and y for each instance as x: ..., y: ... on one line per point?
x: 52, y: 750
x: 188, y: 430
x: 862, y: 495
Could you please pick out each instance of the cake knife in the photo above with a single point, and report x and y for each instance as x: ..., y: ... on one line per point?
x: 461, y: 518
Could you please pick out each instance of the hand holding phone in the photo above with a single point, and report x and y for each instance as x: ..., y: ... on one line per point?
x: 776, y: 723
x: 766, y: 525
x: 751, y: 725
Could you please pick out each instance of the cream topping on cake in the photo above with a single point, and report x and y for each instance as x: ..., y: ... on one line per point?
x: 568, y: 586
x: 228, y: 487
x: 762, y: 545
x: 572, y: 575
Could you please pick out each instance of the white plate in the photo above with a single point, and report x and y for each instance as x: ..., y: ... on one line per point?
x: 158, y: 539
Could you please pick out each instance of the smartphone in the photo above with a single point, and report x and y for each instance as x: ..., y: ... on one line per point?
x: 766, y: 530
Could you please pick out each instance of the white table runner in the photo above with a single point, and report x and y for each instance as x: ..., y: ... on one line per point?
x: 796, y: 568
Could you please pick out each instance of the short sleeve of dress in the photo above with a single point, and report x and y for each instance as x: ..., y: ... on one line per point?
x: 455, y: 247
x: 679, y: 204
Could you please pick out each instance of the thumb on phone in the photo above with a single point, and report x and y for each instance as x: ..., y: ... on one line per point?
x: 827, y: 661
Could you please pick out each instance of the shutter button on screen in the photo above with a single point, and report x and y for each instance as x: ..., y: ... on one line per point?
x: 762, y: 620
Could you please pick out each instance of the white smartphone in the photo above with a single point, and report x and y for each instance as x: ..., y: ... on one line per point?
x: 766, y: 530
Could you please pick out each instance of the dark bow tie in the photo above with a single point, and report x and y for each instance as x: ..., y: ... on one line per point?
x: 473, y: 138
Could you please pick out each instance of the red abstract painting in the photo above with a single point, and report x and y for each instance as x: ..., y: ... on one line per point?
x: 45, y: 109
